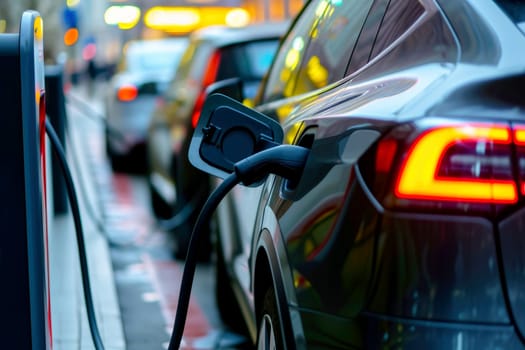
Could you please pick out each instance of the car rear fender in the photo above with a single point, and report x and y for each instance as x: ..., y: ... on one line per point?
x: 271, y: 268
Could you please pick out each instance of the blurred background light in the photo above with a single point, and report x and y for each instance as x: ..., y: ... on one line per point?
x: 124, y: 16
x: 172, y: 19
x: 71, y: 37
x: 182, y: 20
x: 89, y: 51
x: 72, y: 3
x: 237, y: 18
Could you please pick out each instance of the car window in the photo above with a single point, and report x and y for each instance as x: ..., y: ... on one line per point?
x: 363, y: 48
x: 332, y: 44
x: 400, y: 15
x: 249, y: 61
x: 281, y: 78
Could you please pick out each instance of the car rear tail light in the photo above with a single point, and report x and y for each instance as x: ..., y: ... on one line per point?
x: 519, y: 140
x: 444, y: 164
x: 210, y: 75
x: 197, y: 109
x: 127, y: 93
x: 459, y: 163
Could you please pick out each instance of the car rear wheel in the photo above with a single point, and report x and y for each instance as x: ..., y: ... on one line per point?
x: 116, y: 161
x: 269, y: 336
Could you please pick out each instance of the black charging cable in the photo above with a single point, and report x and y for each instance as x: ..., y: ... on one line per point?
x: 285, y: 160
x: 88, y: 298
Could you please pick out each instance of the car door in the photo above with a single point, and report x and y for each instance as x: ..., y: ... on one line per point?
x: 302, y: 68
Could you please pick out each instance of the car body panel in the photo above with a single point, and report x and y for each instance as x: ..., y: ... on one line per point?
x: 512, y: 244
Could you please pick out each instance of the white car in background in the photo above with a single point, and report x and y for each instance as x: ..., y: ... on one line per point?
x: 145, y: 68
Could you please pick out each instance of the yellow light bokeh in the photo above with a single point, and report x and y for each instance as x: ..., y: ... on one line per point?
x: 180, y: 19
x: 125, y: 16
x: 237, y: 18
x: 3, y: 25
x: 165, y: 18
x: 72, y: 3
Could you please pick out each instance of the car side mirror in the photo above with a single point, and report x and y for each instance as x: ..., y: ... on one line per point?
x: 228, y: 132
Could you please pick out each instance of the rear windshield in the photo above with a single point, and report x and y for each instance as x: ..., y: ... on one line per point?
x: 161, y: 56
x: 260, y: 56
x: 149, y: 61
x: 250, y: 61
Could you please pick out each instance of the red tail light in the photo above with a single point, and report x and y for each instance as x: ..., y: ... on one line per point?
x: 449, y: 165
x: 127, y: 93
x: 463, y: 162
x: 197, y: 109
x: 209, y: 78
x: 519, y: 140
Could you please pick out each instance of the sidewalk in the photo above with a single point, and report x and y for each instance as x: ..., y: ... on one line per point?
x: 69, y: 320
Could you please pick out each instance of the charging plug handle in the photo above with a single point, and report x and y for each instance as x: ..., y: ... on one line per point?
x: 285, y: 160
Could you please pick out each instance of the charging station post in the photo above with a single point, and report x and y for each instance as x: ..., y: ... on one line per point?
x: 56, y: 112
x: 24, y: 296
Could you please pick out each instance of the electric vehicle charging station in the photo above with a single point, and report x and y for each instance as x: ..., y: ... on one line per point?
x: 24, y: 296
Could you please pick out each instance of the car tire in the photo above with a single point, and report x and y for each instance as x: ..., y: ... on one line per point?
x: 227, y: 305
x: 116, y: 161
x: 269, y: 335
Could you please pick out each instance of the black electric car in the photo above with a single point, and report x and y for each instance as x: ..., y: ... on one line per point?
x: 406, y: 229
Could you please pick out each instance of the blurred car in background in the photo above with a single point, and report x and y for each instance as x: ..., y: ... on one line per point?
x: 406, y: 229
x: 214, y: 53
x: 143, y: 73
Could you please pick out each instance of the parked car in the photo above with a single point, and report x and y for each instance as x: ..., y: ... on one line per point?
x: 406, y: 229
x: 143, y: 73
x: 215, y: 53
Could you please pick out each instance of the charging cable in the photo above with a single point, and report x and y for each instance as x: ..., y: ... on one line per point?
x: 285, y: 160
x: 88, y: 298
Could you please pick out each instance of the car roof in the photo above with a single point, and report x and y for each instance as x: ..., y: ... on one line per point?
x: 224, y: 36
